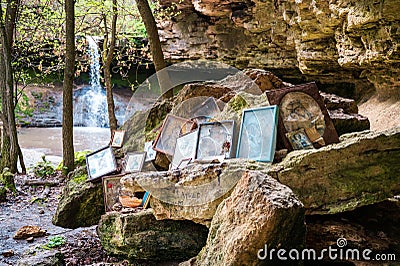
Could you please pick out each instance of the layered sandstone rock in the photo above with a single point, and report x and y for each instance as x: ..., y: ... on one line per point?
x: 140, y: 236
x: 260, y: 212
x: 348, y: 46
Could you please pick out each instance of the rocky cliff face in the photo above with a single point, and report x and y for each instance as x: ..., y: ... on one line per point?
x: 350, y: 47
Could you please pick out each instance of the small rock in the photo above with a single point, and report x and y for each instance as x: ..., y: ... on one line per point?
x: 30, y: 239
x: 29, y: 231
x: 41, y: 211
x: 8, y: 253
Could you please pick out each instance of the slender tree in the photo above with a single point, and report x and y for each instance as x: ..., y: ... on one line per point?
x: 69, y: 71
x: 10, y: 146
x: 155, y: 45
x: 108, y: 53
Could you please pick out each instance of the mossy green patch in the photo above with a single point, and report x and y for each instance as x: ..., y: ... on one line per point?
x: 238, y: 103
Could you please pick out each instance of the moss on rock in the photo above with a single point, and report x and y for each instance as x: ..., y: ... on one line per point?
x: 81, y: 203
x: 141, y: 236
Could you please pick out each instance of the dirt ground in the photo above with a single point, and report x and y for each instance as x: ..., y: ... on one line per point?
x: 34, y: 205
x: 382, y: 115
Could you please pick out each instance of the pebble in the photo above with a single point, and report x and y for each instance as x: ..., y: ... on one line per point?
x: 8, y: 253
x: 30, y: 239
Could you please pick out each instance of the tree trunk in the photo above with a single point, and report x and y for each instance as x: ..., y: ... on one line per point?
x: 107, y: 58
x: 7, y: 83
x: 69, y: 70
x: 155, y: 47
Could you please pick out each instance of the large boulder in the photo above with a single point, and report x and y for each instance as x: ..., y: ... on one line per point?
x: 360, y: 170
x: 364, y: 172
x: 344, y: 114
x: 260, y: 213
x: 140, y: 236
x: 81, y: 203
x: 347, y: 123
x: 193, y: 193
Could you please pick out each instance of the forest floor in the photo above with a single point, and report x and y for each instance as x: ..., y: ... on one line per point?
x: 35, y: 205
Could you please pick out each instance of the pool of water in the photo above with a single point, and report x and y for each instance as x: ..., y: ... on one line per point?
x: 36, y: 142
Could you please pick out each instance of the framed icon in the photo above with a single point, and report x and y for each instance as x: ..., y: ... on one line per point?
x: 257, y: 136
x: 172, y: 127
x: 118, y: 138
x: 214, y: 140
x: 150, y: 152
x: 302, y: 107
x: 133, y: 161
x: 299, y: 140
x: 100, y: 163
x: 111, y: 190
x: 185, y: 148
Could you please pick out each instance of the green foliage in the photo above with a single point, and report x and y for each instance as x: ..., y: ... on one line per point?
x: 7, y: 179
x: 80, y: 178
x: 44, y: 168
x: 54, y: 242
x: 79, y: 158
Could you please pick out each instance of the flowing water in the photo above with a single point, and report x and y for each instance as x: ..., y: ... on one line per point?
x: 90, y: 102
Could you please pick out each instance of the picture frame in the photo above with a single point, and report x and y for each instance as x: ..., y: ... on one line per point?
x: 209, y: 108
x: 146, y: 200
x: 215, y: 139
x: 257, y: 136
x: 111, y: 190
x: 150, y: 152
x: 100, y: 163
x: 185, y: 148
x: 302, y: 106
x: 118, y: 138
x: 299, y: 140
x: 172, y: 127
x: 133, y: 162
x: 184, y: 162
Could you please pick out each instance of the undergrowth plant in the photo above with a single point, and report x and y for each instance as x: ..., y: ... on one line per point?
x: 55, y: 241
x: 44, y: 168
x: 79, y: 158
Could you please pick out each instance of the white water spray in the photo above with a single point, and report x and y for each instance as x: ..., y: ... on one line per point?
x: 90, y: 101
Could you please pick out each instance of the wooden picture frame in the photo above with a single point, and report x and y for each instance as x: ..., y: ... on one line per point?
x: 306, y: 104
x: 118, y: 138
x: 185, y: 148
x: 150, y: 152
x: 100, y: 163
x: 215, y: 139
x: 111, y: 189
x: 257, y: 136
x: 172, y: 127
x: 133, y: 162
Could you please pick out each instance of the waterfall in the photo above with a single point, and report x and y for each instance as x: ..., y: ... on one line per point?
x: 93, y: 51
x: 90, y: 101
